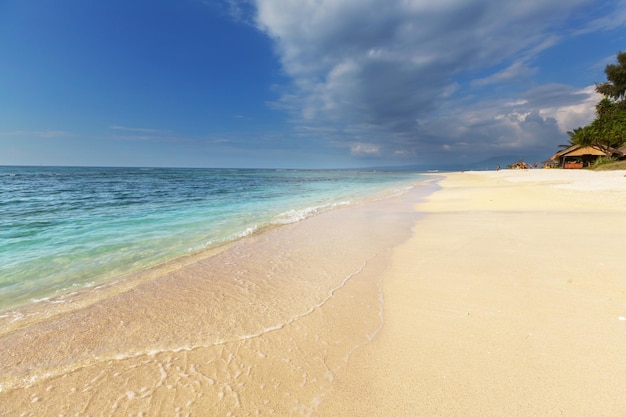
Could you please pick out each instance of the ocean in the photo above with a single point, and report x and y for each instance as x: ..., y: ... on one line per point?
x: 64, y: 229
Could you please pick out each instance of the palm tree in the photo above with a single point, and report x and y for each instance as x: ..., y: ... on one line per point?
x: 572, y: 138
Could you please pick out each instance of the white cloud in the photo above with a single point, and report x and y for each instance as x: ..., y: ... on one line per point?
x: 535, y: 122
x: 610, y: 19
x: 515, y: 71
x: 364, y: 149
x: 365, y: 71
x: 577, y: 114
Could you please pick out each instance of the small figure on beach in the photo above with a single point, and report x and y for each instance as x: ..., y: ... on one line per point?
x: 498, y: 167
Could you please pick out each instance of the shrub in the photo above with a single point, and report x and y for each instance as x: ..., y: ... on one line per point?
x: 602, y: 160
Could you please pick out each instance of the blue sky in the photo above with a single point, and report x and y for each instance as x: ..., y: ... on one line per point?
x: 298, y: 83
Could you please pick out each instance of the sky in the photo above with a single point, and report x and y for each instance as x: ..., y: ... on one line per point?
x: 299, y: 83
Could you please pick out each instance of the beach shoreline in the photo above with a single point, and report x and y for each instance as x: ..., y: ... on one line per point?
x: 500, y: 293
x: 509, y: 299
x: 258, y: 328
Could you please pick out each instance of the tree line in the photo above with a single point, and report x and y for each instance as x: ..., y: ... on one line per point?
x: 608, y: 129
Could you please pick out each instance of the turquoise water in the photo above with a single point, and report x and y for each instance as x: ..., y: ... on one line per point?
x: 63, y: 228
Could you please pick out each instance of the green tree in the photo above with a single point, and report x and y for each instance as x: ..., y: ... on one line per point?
x: 572, y: 138
x: 615, y: 86
x: 609, y: 127
x: 584, y: 135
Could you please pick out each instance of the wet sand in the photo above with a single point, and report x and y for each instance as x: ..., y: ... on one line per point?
x: 509, y: 300
x: 260, y: 328
x: 501, y: 294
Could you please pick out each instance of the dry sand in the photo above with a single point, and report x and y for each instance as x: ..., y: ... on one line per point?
x: 509, y: 300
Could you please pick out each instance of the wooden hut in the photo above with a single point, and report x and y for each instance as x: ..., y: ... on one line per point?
x: 580, y: 156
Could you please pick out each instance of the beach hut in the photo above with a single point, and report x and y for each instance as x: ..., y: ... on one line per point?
x: 580, y: 156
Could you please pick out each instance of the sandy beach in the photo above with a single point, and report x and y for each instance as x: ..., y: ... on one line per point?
x: 508, y: 300
x: 262, y: 327
x: 499, y: 294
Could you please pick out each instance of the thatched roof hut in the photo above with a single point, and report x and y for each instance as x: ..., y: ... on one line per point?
x: 579, y: 156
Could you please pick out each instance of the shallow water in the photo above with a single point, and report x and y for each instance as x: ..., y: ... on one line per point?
x: 67, y: 228
x: 258, y: 328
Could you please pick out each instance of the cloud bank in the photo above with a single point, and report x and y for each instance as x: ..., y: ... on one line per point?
x: 409, y: 80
